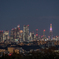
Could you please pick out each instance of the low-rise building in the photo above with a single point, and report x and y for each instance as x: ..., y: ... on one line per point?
x: 2, y: 50
x: 11, y: 49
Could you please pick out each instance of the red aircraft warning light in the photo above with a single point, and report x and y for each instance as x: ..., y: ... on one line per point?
x: 36, y: 34
x: 27, y: 25
x: 44, y: 30
x: 36, y: 29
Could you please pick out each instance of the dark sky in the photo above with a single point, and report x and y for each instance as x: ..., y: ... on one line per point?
x: 37, y: 13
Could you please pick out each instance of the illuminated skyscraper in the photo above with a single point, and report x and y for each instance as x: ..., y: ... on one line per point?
x: 44, y: 33
x: 15, y: 34
x: 36, y: 34
x: 12, y: 35
x: 6, y: 35
x: 32, y: 36
x: 21, y: 35
x: 18, y: 32
x: 25, y: 32
x: 51, y: 35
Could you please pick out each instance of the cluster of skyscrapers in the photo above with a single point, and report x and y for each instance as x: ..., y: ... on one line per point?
x: 17, y: 35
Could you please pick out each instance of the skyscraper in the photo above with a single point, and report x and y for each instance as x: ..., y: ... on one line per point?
x: 12, y: 35
x: 18, y: 33
x: 6, y: 35
x: 15, y: 33
x: 32, y: 36
x: 21, y: 35
x: 51, y: 35
x: 36, y: 34
x: 44, y: 34
x: 25, y: 32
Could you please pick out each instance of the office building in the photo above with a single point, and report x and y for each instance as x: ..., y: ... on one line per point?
x: 6, y: 35
x: 25, y: 32
x: 51, y: 34
x: 15, y: 33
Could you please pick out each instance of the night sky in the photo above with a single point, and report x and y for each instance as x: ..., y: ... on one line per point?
x: 39, y: 14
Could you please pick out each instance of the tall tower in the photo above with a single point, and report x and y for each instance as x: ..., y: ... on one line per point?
x: 51, y: 31
x: 44, y: 33
x: 21, y: 35
x: 25, y: 32
x: 18, y: 33
x: 36, y: 34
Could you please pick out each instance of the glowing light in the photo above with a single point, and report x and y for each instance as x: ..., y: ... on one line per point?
x: 27, y: 25
x: 56, y: 36
x: 36, y: 29
x: 18, y: 26
x: 21, y: 31
x: 50, y: 24
x: 36, y: 34
x: 50, y: 29
x: 44, y: 30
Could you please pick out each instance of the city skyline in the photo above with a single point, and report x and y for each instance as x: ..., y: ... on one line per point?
x: 36, y: 32
x: 38, y: 14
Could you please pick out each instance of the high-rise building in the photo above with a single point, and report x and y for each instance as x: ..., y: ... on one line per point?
x: 32, y: 36
x: 21, y: 35
x: 15, y: 33
x: 25, y: 32
x: 12, y: 35
x: 44, y: 34
x: 18, y: 32
x: 36, y: 34
x: 51, y: 35
x: 6, y: 35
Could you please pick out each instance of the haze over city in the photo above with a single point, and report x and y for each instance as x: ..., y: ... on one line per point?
x: 39, y: 14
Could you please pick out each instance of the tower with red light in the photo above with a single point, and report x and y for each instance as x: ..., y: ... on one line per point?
x: 36, y: 34
x: 51, y: 34
x: 44, y: 33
